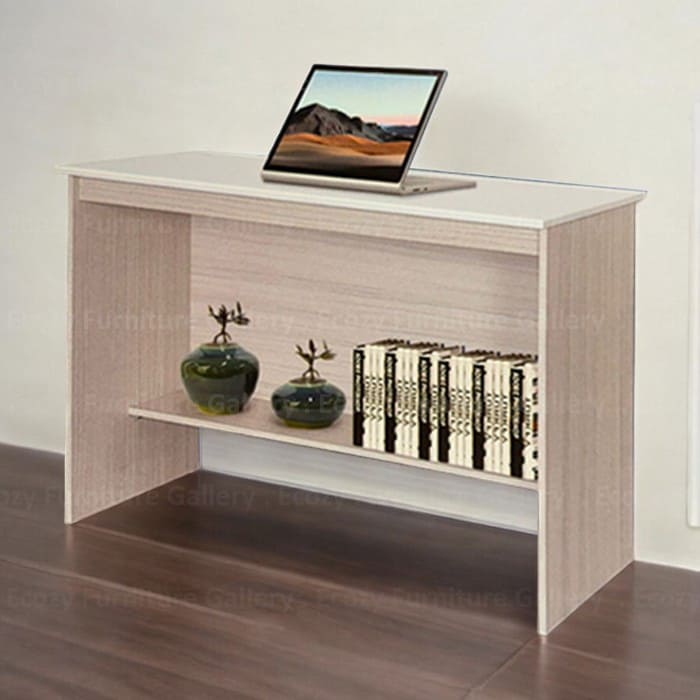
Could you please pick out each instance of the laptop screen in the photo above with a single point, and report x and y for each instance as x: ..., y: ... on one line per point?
x: 360, y: 123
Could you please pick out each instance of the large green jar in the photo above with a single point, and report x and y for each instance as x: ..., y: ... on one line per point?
x: 220, y: 378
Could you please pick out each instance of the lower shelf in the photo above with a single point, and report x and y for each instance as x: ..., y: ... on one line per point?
x: 259, y: 421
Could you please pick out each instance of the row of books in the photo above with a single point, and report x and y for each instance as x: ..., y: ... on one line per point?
x: 469, y: 408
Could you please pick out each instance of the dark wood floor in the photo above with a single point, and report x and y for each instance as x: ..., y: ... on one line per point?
x: 214, y: 587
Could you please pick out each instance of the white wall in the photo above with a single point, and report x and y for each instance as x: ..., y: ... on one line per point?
x: 594, y: 91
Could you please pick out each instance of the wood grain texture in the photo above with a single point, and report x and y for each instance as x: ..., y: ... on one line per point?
x: 258, y: 420
x: 129, y: 328
x: 297, y: 284
x: 587, y: 374
x: 400, y: 227
x: 44, y: 664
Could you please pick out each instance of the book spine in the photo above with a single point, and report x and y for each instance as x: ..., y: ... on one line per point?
x: 424, y: 406
x: 390, y: 401
x: 505, y: 416
x: 478, y: 414
x: 380, y: 416
x: 443, y: 410
x: 459, y: 410
x: 489, y: 414
x: 369, y: 396
x: 452, y: 412
x: 468, y: 458
x: 400, y: 399
x: 412, y: 441
x: 358, y: 397
x: 530, y: 468
x: 433, y: 408
x: 516, y: 422
x: 372, y: 389
x: 496, y: 417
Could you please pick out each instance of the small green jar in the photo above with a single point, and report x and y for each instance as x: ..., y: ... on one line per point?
x: 308, y: 403
x: 220, y: 378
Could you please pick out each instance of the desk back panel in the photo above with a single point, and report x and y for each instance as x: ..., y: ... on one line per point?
x: 301, y: 283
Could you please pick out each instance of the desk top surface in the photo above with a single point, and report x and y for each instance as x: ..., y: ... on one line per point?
x: 495, y: 200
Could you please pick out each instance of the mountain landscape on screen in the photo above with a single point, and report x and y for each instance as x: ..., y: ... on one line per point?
x: 354, y: 123
x: 326, y: 139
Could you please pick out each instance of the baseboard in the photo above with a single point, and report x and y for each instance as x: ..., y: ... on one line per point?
x: 667, y: 565
x: 371, y: 481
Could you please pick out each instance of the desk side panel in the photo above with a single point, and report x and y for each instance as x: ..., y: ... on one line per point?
x: 587, y: 387
x: 128, y: 330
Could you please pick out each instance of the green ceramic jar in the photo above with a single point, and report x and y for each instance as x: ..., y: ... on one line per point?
x: 220, y: 378
x: 308, y: 403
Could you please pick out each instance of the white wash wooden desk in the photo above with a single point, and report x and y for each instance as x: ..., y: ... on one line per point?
x: 511, y: 265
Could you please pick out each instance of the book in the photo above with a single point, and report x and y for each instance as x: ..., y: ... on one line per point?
x: 458, y: 410
x: 377, y: 389
x: 424, y: 401
x: 368, y: 394
x: 443, y: 446
x: 368, y: 379
x: 407, y: 398
x: 504, y: 423
x: 508, y: 364
x: 379, y: 383
x: 530, y: 401
x: 457, y: 415
x: 358, y: 395
x: 436, y: 357
x: 491, y: 414
x: 478, y: 440
x: 474, y: 409
x: 416, y: 351
x: 402, y: 407
x: 390, y: 399
x: 411, y: 424
x: 516, y: 423
x: 468, y: 359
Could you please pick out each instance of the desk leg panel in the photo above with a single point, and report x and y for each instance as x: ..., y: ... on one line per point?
x: 129, y: 282
x: 586, y: 396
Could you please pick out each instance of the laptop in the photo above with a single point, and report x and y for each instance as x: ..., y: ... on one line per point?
x: 358, y: 128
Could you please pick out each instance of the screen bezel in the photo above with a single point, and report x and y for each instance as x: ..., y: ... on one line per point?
x: 440, y: 76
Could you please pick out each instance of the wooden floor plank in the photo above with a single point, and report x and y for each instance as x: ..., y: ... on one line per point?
x: 454, y: 636
x: 355, y: 544
x: 220, y: 587
x: 543, y: 671
x: 647, y: 617
x: 36, y: 665
x: 637, y: 638
x: 455, y: 629
x: 250, y: 658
